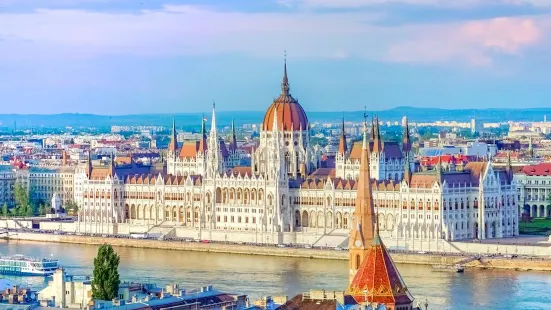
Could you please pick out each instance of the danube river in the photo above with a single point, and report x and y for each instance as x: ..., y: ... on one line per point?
x: 258, y: 275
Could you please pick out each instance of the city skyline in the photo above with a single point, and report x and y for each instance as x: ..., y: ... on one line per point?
x: 139, y: 57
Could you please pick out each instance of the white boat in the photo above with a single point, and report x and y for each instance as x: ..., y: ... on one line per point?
x: 27, y: 266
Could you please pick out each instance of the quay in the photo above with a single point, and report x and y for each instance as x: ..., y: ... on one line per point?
x: 469, y: 261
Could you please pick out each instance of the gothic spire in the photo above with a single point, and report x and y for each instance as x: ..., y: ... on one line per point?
x: 213, y: 120
x: 407, y: 169
x: 363, y: 227
x: 342, y: 142
x: 89, y: 163
x: 377, y: 146
x: 233, y: 139
x: 285, y: 83
x: 173, y: 146
x: 406, y: 143
x: 509, y: 167
x: 203, y: 140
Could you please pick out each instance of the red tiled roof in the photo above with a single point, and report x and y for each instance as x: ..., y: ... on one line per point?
x: 542, y: 169
x: 378, y: 279
x: 298, y: 302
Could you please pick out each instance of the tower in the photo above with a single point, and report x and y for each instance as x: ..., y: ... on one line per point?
x: 407, y: 170
x: 342, y: 142
x: 173, y: 145
x: 233, y: 140
x: 406, y: 142
x: 363, y: 222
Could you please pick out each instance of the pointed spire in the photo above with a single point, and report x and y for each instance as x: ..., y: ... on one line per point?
x: 509, y: 166
x: 203, y: 141
x: 377, y: 146
x: 213, y: 120
x: 342, y: 143
x: 406, y: 143
x: 363, y: 227
x: 112, y: 166
x: 173, y: 146
x: 372, y: 133
x: 233, y: 139
x: 407, y: 169
x: 365, y: 144
x: 285, y: 83
x: 439, y: 170
x: 89, y: 164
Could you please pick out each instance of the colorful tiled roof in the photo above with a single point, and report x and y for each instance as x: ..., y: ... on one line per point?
x: 378, y: 280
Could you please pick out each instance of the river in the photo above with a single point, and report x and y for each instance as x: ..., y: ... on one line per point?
x: 258, y: 276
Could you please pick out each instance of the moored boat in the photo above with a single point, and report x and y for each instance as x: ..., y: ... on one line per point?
x: 452, y: 268
x: 27, y: 266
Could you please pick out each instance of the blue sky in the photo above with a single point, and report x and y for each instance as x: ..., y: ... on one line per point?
x: 169, y: 56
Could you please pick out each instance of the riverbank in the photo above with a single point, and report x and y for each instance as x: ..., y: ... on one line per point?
x: 401, y: 258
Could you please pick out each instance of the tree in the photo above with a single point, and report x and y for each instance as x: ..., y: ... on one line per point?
x: 105, y: 285
x: 29, y: 211
x: 41, y: 210
x: 22, y: 200
x: 71, y: 208
x: 5, y: 210
x: 21, y: 195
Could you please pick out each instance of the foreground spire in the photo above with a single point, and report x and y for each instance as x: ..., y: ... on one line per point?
x: 363, y: 222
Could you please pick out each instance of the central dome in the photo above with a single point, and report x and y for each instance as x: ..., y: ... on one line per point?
x: 290, y: 115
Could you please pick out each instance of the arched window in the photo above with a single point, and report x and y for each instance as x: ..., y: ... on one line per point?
x: 358, y: 261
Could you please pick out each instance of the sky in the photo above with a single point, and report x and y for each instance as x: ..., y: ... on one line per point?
x: 114, y: 57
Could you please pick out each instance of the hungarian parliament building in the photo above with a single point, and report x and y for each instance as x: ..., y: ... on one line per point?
x: 287, y: 197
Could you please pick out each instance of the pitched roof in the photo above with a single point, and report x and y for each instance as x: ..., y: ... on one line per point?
x: 299, y: 302
x: 378, y: 279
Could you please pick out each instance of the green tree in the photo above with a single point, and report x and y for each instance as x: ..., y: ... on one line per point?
x: 29, y: 211
x: 41, y: 210
x: 21, y: 195
x: 5, y: 210
x: 71, y: 208
x: 105, y: 285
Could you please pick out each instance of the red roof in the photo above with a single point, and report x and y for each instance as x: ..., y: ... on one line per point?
x: 378, y: 279
x: 543, y: 169
x: 290, y: 115
x: 433, y: 160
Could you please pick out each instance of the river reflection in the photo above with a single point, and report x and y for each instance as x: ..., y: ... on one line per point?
x: 258, y: 275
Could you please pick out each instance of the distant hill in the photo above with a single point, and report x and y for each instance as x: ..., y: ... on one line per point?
x: 193, y: 120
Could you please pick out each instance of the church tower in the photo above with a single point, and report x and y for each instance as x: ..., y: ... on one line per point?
x: 363, y: 222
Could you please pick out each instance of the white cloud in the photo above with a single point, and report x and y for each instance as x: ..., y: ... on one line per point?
x: 177, y: 30
x: 474, y: 42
